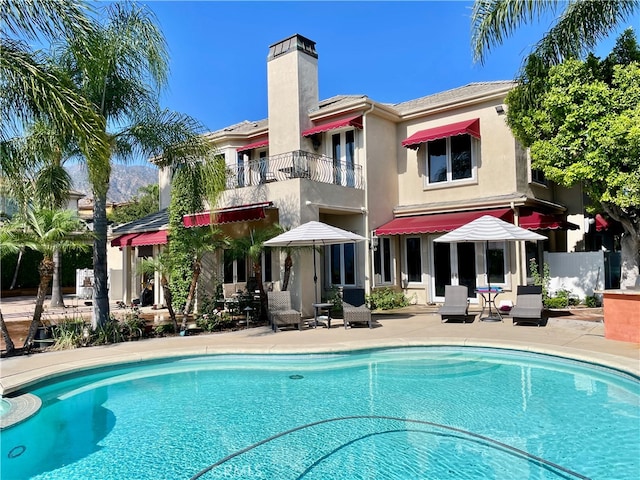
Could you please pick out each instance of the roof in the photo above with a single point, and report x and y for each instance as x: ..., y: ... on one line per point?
x: 150, y: 223
x: 469, y: 91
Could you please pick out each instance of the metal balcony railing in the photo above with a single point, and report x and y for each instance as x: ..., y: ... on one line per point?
x: 296, y: 164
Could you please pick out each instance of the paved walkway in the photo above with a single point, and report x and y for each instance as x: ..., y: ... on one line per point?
x: 581, y: 339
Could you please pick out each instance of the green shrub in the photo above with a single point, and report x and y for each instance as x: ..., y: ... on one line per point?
x: 70, y: 333
x: 386, y: 299
x: 591, y: 301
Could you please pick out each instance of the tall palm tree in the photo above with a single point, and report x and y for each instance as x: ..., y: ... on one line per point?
x: 119, y: 68
x: 44, y: 231
x: 578, y: 28
x: 30, y: 86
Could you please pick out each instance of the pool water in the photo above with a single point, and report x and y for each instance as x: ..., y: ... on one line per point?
x: 406, y: 413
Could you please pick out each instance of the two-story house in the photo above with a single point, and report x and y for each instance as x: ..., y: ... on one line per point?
x: 398, y: 174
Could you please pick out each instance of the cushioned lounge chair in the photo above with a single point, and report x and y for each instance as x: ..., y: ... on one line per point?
x: 280, y: 312
x: 528, y: 308
x: 456, y: 304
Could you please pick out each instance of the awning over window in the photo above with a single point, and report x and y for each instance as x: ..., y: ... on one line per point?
x: 532, y: 220
x: 472, y: 127
x: 242, y: 213
x: 251, y: 146
x: 140, y: 239
x: 439, y: 222
x: 601, y: 223
x: 325, y: 127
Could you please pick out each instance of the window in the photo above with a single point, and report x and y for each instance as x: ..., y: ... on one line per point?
x: 343, y: 148
x: 496, y: 263
x: 235, y: 270
x: 342, y: 264
x: 450, y: 159
x: 382, y: 261
x: 535, y: 175
x: 240, y: 169
x: 266, y: 265
x: 414, y: 260
x: 263, y: 166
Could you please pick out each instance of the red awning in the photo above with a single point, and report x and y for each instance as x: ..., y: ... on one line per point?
x: 251, y: 146
x: 242, y: 213
x: 139, y: 239
x: 439, y: 222
x: 472, y: 127
x: 150, y: 238
x: 532, y: 220
x: 601, y: 223
x: 325, y: 127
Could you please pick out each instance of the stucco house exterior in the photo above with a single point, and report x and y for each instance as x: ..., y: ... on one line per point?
x: 398, y: 174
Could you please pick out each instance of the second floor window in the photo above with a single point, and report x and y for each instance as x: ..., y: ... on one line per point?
x: 343, y: 147
x: 450, y: 159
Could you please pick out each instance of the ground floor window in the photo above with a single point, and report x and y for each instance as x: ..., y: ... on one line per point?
x: 235, y: 270
x: 496, y: 263
x: 342, y: 264
x: 382, y: 261
x: 414, y: 259
x: 267, y: 270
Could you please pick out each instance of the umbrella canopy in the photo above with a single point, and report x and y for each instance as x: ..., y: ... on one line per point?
x: 489, y: 228
x: 312, y: 234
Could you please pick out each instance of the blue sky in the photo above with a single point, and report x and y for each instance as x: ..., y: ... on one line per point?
x: 389, y: 51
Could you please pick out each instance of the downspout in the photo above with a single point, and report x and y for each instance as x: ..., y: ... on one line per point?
x: 369, y: 278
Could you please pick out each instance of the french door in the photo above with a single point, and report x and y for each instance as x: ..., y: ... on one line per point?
x: 454, y: 264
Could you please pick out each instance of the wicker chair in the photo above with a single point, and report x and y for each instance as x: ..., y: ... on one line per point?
x: 280, y: 312
x: 353, y: 315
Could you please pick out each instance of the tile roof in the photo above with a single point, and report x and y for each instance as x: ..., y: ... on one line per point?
x: 151, y: 223
x: 454, y: 95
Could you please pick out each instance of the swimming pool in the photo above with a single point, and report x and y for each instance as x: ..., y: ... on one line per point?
x: 401, y: 413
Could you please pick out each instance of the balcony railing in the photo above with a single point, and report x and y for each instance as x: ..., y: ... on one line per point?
x: 296, y: 164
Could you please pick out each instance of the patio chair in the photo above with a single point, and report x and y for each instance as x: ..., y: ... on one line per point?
x: 354, y: 309
x: 456, y: 304
x: 280, y: 312
x: 528, y: 308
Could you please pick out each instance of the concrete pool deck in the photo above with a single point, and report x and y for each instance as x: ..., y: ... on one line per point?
x: 580, y: 339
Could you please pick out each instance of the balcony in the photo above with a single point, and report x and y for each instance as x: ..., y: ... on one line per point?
x: 294, y: 165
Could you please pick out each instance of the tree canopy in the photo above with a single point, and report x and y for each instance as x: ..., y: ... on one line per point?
x: 583, y: 127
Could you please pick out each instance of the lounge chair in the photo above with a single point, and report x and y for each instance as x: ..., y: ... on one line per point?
x: 280, y: 312
x: 456, y: 304
x: 354, y: 309
x: 528, y: 308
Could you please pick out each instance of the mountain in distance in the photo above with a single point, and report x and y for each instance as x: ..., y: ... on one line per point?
x: 124, y: 184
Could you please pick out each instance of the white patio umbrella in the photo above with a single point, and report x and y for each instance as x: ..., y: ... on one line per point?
x: 313, y: 234
x: 489, y: 229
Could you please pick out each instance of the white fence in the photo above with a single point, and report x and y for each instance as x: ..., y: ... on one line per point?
x: 578, y: 272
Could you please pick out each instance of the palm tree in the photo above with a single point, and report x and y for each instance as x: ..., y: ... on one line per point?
x: 30, y: 86
x: 578, y: 28
x: 44, y: 231
x: 160, y: 264
x: 120, y: 67
x: 199, y: 243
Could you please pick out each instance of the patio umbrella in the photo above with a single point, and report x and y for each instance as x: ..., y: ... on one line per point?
x: 489, y: 229
x: 313, y: 234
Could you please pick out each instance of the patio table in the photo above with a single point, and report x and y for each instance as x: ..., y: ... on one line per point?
x: 489, y: 295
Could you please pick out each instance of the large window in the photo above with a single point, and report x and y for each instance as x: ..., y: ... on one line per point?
x: 343, y: 149
x: 235, y: 270
x: 450, y: 159
x: 240, y: 169
x: 496, y: 263
x: 382, y: 261
x: 414, y: 260
x: 263, y: 166
x: 342, y: 264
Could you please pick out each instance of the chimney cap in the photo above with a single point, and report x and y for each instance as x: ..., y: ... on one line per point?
x: 293, y: 43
